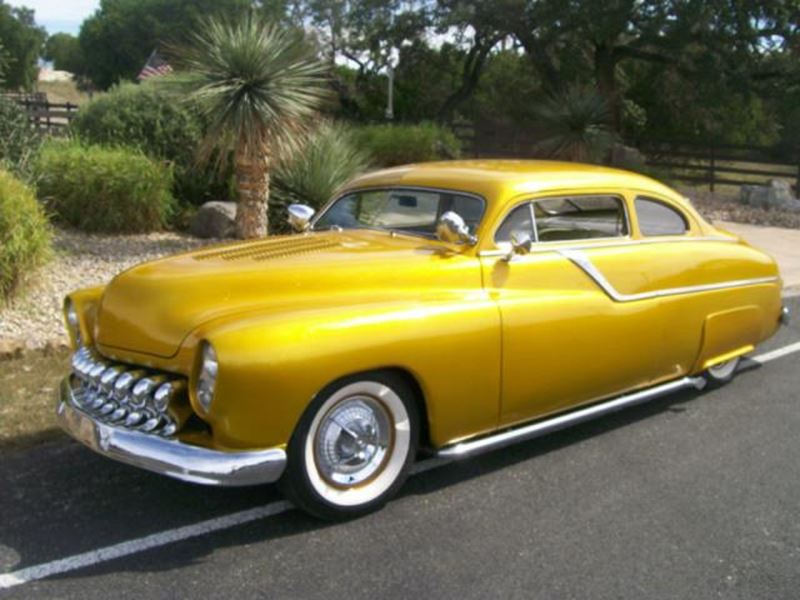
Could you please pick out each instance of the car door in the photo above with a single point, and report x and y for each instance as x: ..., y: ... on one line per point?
x: 567, y: 338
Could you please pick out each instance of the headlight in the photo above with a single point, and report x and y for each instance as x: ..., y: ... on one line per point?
x: 207, y: 377
x: 73, y: 322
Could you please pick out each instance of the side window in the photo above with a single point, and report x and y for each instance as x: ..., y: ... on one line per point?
x: 580, y: 218
x: 656, y: 218
x: 516, y: 225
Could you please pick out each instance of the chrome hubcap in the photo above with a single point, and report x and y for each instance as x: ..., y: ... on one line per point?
x: 724, y: 369
x: 352, y: 441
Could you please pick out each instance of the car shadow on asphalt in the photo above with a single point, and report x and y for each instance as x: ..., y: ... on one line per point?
x: 61, y: 499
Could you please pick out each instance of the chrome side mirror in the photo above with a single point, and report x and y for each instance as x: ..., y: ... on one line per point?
x: 300, y: 217
x: 520, y: 247
x: 452, y: 229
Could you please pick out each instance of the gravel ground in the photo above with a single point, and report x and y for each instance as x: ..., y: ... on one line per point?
x: 33, y: 320
x: 720, y: 207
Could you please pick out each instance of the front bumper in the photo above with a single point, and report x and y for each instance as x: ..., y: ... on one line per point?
x: 168, y: 457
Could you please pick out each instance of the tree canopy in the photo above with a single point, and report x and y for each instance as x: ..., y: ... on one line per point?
x: 121, y: 35
x: 21, y: 43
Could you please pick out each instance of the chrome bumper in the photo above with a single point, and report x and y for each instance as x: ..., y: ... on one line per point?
x: 168, y: 457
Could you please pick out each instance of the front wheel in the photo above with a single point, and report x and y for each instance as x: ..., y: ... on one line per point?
x: 354, y: 447
x: 722, y: 373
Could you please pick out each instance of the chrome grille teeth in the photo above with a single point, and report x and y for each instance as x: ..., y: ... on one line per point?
x: 108, y: 408
x: 151, y: 424
x: 133, y: 419
x: 118, y: 414
x: 122, y: 395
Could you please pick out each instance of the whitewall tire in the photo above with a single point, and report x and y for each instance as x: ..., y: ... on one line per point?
x: 354, y: 446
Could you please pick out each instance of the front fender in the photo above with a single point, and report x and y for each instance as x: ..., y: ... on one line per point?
x: 271, y: 367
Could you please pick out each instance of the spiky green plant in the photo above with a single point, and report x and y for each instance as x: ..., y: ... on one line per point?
x: 257, y: 86
x: 328, y: 159
x: 575, y: 125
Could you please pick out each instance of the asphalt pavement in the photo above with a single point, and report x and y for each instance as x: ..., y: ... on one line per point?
x: 696, y: 495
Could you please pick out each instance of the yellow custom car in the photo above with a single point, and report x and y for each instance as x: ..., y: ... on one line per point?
x: 441, y: 309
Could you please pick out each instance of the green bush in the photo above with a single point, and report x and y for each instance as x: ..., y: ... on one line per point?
x: 112, y: 190
x: 19, y: 140
x: 328, y: 159
x: 390, y: 145
x: 24, y: 233
x: 149, y: 118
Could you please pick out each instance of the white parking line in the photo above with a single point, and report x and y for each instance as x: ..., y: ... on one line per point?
x: 93, y: 557
x: 101, y: 555
x: 779, y: 353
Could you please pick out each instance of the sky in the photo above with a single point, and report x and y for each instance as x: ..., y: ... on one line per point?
x: 59, y: 15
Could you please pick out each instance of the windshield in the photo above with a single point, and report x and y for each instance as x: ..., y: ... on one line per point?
x: 403, y: 210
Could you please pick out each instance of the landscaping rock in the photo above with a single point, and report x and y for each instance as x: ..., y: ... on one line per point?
x: 214, y: 220
x: 777, y: 195
x: 626, y: 156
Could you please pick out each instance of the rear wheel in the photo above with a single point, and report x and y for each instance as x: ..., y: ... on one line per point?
x: 353, y: 447
x: 722, y: 373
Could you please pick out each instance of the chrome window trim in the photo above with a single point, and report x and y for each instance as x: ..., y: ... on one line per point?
x: 530, y: 201
x: 587, y: 266
x: 669, y: 206
x: 413, y: 188
x: 604, y: 244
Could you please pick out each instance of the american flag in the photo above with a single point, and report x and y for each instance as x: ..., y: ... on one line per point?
x: 156, y: 65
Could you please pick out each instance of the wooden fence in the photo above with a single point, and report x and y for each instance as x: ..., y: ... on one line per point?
x: 690, y: 162
x: 50, y: 117
x: 721, y: 164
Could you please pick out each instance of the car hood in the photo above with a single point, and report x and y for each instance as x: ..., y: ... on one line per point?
x: 154, y: 306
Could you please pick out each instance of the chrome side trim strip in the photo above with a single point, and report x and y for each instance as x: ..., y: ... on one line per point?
x: 618, y: 243
x: 165, y: 456
x: 540, y: 428
x: 581, y: 260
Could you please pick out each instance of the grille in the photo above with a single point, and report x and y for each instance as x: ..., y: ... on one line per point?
x: 128, y: 396
x: 269, y: 249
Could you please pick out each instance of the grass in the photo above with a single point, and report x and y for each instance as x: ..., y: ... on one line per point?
x: 27, y: 398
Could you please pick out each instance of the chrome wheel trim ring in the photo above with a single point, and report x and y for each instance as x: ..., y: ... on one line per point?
x: 724, y: 370
x: 375, y: 472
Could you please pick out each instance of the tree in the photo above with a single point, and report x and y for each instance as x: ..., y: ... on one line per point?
x: 257, y: 85
x: 65, y: 52
x: 575, y: 125
x: 22, y: 40
x: 117, y: 40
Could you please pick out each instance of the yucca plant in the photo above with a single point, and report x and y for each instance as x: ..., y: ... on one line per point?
x: 576, y: 125
x: 329, y: 157
x: 257, y: 87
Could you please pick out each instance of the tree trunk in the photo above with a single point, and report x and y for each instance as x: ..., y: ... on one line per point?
x: 605, y: 68
x: 252, y: 184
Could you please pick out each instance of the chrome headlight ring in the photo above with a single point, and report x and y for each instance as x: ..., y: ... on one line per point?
x: 73, y: 321
x: 206, y: 377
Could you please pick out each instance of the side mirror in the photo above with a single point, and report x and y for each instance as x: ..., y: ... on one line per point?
x: 300, y: 217
x: 452, y: 229
x: 520, y: 247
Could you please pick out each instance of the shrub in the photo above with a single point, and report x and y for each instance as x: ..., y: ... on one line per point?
x: 390, y: 145
x: 24, y: 233
x: 149, y: 118
x: 113, y: 190
x: 19, y: 140
x: 328, y: 159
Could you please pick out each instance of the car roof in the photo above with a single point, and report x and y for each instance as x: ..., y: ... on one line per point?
x: 502, y: 178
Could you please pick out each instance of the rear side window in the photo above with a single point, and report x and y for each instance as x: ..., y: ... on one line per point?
x: 580, y: 218
x: 656, y: 218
